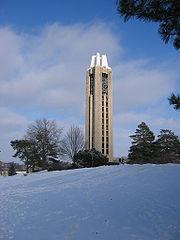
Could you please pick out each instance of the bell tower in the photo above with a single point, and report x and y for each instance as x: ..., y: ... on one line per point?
x: 98, y: 132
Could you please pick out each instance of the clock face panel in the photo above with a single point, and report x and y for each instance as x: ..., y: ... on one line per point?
x: 104, y: 83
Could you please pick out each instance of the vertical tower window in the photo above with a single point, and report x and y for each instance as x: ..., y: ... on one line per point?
x: 104, y: 83
x: 91, y: 84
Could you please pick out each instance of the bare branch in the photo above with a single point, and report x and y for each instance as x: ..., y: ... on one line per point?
x: 72, y: 142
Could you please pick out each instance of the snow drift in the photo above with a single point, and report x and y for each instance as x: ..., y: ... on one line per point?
x: 112, y: 202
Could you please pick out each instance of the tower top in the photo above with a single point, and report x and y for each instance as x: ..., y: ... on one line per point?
x: 99, y: 60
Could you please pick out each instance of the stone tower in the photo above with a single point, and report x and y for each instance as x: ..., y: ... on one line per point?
x: 98, y: 130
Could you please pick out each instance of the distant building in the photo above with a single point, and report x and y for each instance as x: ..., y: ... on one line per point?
x: 99, y: 134
x: 4, y: 167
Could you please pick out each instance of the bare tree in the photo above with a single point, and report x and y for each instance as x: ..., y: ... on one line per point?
x: 46, y: 136
x: 72, y: 142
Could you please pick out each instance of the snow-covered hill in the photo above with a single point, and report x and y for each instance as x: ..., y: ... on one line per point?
x: 105, y: 203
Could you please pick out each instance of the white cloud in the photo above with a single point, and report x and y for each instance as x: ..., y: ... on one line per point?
x: 157, y: 122
x: 52, y: 63
x: 138, y: 83
x: 50, y: 68
x: 46, y: 71
x: 10, y: 54
x: 125, y: 124
x: 12, y: 126
x: 11, y: 120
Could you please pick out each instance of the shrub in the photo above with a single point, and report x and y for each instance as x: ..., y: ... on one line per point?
x: 90, y: 158
x: 58, y: 166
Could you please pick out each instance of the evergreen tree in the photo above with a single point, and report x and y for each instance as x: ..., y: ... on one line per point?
x: 11, y: 170
x: 142, y: 150
x: 27, y: 152
x: 90, y: 158
x: 167, y: 147
x: 164, y: 12
x: 175, y: 101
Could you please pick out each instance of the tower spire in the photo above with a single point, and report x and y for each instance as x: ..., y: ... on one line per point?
x: 99, y: 60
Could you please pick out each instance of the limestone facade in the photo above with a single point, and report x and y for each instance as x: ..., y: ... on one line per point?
x: 98, y: 132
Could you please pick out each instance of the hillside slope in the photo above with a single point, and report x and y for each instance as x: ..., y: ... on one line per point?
x: 115, y: 202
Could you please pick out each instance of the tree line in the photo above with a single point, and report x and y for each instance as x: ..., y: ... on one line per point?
x: 45, y: 143
x: 166, y: 13
x: 146, y: 148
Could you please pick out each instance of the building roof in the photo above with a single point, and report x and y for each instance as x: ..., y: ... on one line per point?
x: 99, y: 60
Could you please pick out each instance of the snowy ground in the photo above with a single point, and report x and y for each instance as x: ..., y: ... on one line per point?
x: 105, y: 203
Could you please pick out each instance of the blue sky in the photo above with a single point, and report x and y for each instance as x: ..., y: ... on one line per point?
x: 41, y: 40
